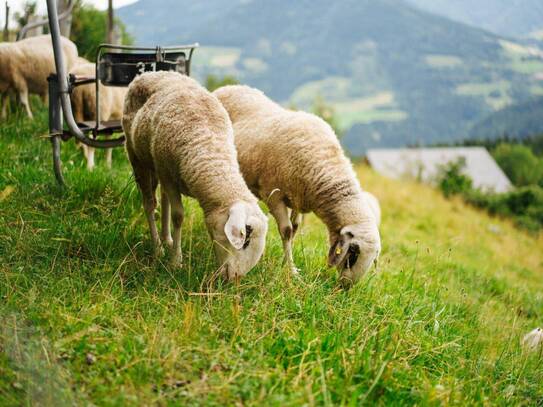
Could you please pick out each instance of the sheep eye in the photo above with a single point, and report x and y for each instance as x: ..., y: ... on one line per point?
x: 248, y: 230
x: 354, y: 252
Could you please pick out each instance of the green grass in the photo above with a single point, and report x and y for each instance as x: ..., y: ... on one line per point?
x: 86, y: 317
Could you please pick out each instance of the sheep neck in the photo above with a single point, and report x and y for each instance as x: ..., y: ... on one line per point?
x: 339, y: 213
x: 221, y: 189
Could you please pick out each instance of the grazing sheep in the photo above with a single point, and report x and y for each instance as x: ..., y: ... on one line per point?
x: 179, y: 135
x: 84, y: 104
x: 294, y: 162
x: 26, y: 64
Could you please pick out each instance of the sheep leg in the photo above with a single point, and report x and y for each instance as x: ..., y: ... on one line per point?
x: 45, y: 98
x: 148, y: 183
x: 5, y: 103
x: 279, y: 211
x: 296, y: 220
x: 165, y: 232
x: 109, y: 159
x: 23, y: 96
x: 89, y: 156
x: 178, y: 214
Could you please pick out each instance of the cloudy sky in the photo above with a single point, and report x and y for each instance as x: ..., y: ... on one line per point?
x: 16, y: 5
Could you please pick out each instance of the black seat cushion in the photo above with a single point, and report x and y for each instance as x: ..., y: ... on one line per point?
x: 119, y: 69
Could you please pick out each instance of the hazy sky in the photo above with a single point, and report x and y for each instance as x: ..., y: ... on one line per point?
x: 16, y: 5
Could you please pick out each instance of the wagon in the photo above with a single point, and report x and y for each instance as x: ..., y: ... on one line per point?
x: 116, y: 65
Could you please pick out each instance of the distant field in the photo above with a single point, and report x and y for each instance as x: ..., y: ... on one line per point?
x: 537, y: 90
x: 220, y: 57
x: 496, y: 94
x: 87, y: 318
x: 443, y: 61
x: 525, y: 60
x: 349, y: 118
x: 332, y: 89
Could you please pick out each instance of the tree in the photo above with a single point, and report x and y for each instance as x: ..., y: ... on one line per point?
x: 5, y: 34
x: 29, y: 10
x: 89, y: 29
x: 213, y: 82
x: 327, y: 113
x: 519, y: 163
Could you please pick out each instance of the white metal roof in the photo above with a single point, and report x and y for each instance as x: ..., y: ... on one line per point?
x: 424, y: 164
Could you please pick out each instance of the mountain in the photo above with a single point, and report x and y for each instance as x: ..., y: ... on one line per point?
x: 514, y: 18
x: 516, y: 121
x: 396, y: 75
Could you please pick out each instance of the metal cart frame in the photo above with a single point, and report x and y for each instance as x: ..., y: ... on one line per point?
x: 115, y: 68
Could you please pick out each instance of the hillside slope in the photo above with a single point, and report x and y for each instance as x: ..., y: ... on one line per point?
x: 87, y: 318
x: 517, y: 121
x: 513, y: 18
x: 396, y: 75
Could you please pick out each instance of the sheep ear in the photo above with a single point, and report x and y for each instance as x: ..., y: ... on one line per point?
x: 338, y: 251
x: 234, y: 227
x: 340, y: 248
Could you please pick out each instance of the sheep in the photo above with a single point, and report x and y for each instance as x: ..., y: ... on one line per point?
x: 179, y: 136
x: 293, y: 161
x: 26, y: 64
x: 83, y: 100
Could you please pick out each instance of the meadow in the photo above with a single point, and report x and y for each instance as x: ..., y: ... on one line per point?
x: 88, y: 318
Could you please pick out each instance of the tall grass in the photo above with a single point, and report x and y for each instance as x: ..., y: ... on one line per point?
x: 88, y: 317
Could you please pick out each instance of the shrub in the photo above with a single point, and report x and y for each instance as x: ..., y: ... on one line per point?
x: 328, y: 114
x: 520, y: 164
x: 89, y: 29
x: 452, y: 180
x: 214, y: 82
x: 524, y: 205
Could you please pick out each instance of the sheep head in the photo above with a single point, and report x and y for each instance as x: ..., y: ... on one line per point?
x: 353, y: 250
x: 239, y: 237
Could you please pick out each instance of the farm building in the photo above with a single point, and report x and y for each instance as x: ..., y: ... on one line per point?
x: 424, y: 164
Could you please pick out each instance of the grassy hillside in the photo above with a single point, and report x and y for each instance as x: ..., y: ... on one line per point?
x: 87, y: 317
x: 439, y: 77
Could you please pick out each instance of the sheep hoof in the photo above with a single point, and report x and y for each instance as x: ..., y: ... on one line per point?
x: 168, y: 242
x: 176, y: 262
x: 295, y: 271
x: 158, y: 251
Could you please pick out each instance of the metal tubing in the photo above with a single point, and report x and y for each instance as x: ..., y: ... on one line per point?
x: 55, y: 127
x: 63, y: 85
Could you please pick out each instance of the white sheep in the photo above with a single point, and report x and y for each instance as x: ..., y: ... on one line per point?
x: 84, y: 104
x: 294, y: 162
x: 26, y: 64
x: 179, y: 135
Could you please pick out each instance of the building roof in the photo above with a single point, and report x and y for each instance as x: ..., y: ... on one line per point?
x: 424, y: 164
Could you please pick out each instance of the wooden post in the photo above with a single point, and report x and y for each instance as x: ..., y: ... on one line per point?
x: 5, y: 35
x: 110, y: 22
